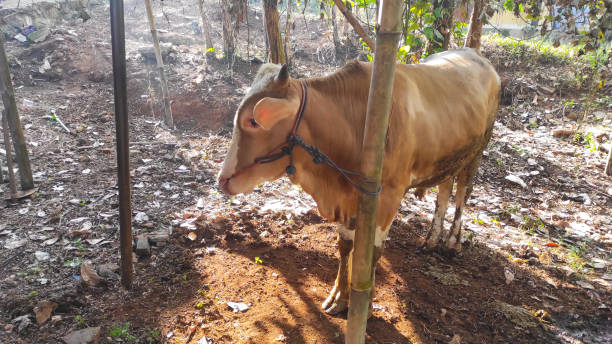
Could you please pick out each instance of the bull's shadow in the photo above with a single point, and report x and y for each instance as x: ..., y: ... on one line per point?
x: 427, y: 298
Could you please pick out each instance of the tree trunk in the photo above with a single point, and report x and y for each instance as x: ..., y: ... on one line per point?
x: 609, y: 164
x: 9, y: 156
x: 355, y: 24
x: 228, y: 30
x: 372, y: 155
x: 168, y: 121
x: 206, y: 29
x: 472, y: 40
x: 14, y: 123
x: 288, y: 27
x: 443, y: 24
x: 273, y: 32
x: 335, y: 36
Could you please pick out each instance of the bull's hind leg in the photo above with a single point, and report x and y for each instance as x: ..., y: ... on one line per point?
x: 464, y: 189
x: 338, y: 298
x: 444, y: 192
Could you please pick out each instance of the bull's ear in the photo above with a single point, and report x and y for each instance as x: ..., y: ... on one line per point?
x: 269, y: 111
x: 283, y: 76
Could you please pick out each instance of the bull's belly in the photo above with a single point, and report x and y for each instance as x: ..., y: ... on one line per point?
x: 445, y: 167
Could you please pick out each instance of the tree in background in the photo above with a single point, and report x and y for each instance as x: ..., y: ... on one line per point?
x: 472, y: 39
x: 228, y: 29
x: 233, y: 12
x: 206, y: 29
x: 276, y: 53
x: 442, y: 25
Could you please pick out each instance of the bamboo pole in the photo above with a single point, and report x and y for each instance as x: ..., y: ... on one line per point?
x: 14, y: 123
x: 123, y: 142
x: 168, y: 121
x: 9, y: 156
x: 377, y: 119
x: 355, y: 24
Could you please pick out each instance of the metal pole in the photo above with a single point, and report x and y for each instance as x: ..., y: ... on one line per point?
x: 373, y: 148
x: 14, y: 124
x: 123, y: 141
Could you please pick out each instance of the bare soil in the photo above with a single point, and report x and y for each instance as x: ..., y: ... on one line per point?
x: 536, y: 262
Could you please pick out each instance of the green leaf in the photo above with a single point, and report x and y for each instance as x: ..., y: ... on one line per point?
x: 438, y: 13
x: 428, y: 32
x: 509, y: 5
x: 438, y: 34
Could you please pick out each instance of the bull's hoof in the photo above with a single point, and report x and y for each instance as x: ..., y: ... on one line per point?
x: 429, y: 246
x: 452, y: 247
x: 335, y: 303
x: 451, y: 251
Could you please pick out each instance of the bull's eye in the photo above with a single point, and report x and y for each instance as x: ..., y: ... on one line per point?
x: 253, y: 123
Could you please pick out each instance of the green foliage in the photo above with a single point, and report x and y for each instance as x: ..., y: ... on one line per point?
x: 80, y: 320
x: 531, y: 224
x: 153, y: 336
x: 568, y: 13
x: 587, y: 140
x: 119, y: 331
x: 576, y: 256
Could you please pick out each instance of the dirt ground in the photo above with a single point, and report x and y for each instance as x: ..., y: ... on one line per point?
x: 536, y: 265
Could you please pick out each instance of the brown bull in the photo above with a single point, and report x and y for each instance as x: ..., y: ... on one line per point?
x: 442, y: 114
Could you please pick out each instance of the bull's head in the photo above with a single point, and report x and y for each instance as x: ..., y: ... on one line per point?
x: 262, y: 122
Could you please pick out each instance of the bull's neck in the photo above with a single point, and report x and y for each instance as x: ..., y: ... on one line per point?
x: 333, y: 123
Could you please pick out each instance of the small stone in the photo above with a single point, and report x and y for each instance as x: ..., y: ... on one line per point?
x: 238, y: 306
x: 455, y: 340
x: 141, y: 217
x: 159, y: 238
x: 85, y: 336
x: 585, y: 285
x: 143, y: 248
x: 599, y: 264
x: 515, y: 179
x: 41, y: 256
x: 509, y: 276
x: 22, y: 322
x: 264, y: 234
x: 39, y: 35
x: 8, y: 328
x: 56, y: 318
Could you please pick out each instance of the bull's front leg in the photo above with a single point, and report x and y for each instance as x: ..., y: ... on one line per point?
x: 437, y: 224
x: 338, y: 298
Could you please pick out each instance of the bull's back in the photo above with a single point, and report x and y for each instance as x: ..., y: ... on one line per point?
x: 442, y: 111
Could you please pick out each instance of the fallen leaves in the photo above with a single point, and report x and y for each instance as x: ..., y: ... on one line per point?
x: 89, y: 275
x: 43, y: 311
